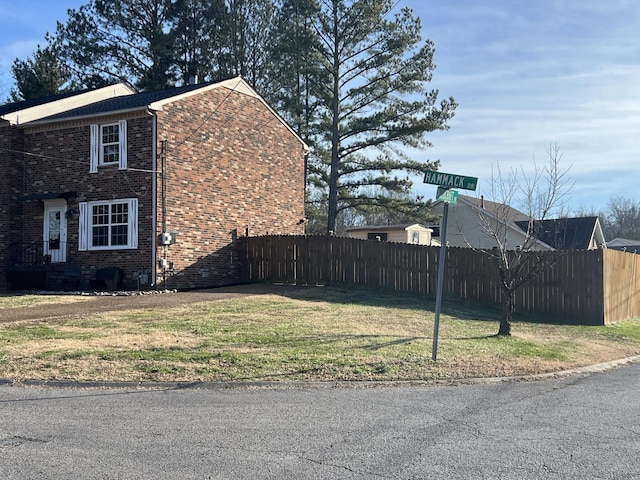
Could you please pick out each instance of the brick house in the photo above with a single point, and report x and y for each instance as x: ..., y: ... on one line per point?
x: 157, y: 186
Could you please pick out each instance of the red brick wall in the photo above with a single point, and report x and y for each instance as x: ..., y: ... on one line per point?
x: 7, y: 165
x: 231, y: 166
x: 61, y: 164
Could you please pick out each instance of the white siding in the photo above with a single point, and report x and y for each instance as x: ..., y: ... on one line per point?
x: 464, y: 229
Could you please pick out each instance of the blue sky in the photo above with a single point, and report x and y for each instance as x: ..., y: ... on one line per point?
x: 527, y: 74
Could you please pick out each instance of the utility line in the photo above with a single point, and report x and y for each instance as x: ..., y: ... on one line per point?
x: 67, y: 160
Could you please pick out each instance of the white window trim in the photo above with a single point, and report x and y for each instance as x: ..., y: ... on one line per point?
x: 86, y: 227
x: 96, y: 152
x: 103, y: 144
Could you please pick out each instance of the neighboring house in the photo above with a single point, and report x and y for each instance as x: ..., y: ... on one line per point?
x: 157, y: 185
x: 406, y: 233
x: 465, y: 227
x: 577, y: 233
x: 625, y: 245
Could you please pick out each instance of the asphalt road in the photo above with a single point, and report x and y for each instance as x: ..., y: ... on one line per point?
x: 577, y: 427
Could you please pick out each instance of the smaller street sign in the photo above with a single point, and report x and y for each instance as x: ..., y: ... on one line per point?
x: 450, y: 180
x: 447, y: 195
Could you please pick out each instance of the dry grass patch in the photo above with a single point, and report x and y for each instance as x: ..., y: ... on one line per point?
x: 310, y: 334
x: 30, y: 300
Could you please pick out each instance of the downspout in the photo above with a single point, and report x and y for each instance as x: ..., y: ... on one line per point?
x: 154, y: 198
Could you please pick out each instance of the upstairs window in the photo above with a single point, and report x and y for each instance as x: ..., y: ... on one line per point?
x: 109, y: 145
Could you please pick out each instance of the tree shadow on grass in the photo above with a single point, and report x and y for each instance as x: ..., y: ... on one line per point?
x: 481, y: 337
x: 390, y: 343
x: 398, y: 300
x: 455, y: 308
x: 358, y: 296
x: 378, y: 342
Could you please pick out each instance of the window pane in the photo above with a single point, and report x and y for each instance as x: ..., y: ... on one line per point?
x: 119, y: 213
x: 100, y: 215
x: 54, y: 230
x: 119, y: 235
x: 100, y: 237
x: 110, y: 154
x: 110, y: 134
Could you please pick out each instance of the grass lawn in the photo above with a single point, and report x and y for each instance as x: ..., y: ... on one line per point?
x: 311, y: 334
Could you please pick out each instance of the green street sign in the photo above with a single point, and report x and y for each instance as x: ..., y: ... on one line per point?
x: 447, y: 195
x: 450, y: 180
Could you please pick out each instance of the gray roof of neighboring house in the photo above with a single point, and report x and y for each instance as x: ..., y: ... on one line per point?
x: 623, y: 242
x: 501, y: 211
x: 563, y: 233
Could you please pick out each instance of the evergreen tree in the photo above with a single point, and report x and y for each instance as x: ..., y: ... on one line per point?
x: 377, y: 102
x: 39, y: 76
x: 250, y: 27
x: 125, y: 40
x: 201, y: 32
x: 298, y: 80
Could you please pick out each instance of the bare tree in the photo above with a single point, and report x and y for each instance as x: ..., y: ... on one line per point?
x: 540, y: 194
x: 621, y: 218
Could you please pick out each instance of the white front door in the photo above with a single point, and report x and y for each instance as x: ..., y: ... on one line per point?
x: 55, y: 230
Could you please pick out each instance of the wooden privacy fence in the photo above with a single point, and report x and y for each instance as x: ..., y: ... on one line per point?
x: 592, y: 287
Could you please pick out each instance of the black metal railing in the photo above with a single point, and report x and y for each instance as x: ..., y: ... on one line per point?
x: 37, y: 253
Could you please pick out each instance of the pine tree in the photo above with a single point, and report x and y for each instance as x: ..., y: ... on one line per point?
x: 39, y: 76
x: 201, y: 33
x: 377, y: 102
x: 296, y: 74
x: 124, y: 40
x: 250, y: 27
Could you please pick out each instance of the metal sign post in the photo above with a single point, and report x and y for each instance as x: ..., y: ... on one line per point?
x: 447, y: 195
x: 443, y: 249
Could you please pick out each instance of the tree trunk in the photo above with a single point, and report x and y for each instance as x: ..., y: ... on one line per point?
x: 335, y: 130
x: 508, y: 308
x: 505, y: 326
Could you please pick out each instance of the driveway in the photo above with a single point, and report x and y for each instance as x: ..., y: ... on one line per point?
x: 106, y: 303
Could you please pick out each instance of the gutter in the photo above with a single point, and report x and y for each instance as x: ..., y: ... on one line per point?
x: 110, y: 113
